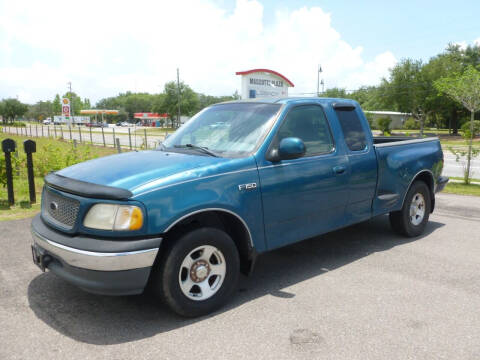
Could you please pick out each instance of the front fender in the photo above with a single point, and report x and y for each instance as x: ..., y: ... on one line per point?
x: 219, y: 191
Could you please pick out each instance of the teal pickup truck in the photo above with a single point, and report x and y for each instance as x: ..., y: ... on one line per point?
x: 239, y: 179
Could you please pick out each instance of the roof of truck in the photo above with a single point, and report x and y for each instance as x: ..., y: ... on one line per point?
x: 285, y: 100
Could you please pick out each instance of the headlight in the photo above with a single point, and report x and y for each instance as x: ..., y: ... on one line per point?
x: 114, y: 217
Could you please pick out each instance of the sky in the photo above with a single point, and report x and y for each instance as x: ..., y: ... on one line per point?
x: 108, y: 47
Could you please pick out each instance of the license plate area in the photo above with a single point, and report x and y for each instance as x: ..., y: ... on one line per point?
x: 38, y: 258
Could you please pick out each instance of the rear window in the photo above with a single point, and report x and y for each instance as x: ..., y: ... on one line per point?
x: 352, y: 129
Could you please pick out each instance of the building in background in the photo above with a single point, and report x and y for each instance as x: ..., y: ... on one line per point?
x: 398, y: 118
x: 263, y: 83
x: 151, y: 119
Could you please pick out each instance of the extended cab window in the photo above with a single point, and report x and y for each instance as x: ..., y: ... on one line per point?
x: 308, y: 122
x: 352, y: 129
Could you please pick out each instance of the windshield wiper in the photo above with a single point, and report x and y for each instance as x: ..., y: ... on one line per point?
x: 204, y: 149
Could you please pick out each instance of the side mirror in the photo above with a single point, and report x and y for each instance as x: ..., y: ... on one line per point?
x: 288, y: 149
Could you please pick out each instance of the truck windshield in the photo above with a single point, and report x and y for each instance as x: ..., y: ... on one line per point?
x: 233, y: 129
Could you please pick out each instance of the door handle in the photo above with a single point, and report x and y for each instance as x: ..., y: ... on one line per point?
x: 340, y: 169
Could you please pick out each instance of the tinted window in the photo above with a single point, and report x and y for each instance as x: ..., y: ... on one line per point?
x: 352, y: 129
x: 309, y: 124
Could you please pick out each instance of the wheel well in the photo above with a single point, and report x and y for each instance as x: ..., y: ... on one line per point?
x: 222, y: 220
x: 427, y: 178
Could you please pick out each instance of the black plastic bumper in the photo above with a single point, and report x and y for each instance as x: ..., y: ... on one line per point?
x: 442, y: 181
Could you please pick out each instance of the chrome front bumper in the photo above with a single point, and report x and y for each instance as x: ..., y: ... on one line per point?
x: 100, y: 266
x: 102, y: 261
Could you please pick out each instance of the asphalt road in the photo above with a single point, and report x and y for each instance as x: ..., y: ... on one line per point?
x: 358, y: 293
x: 455, y: 168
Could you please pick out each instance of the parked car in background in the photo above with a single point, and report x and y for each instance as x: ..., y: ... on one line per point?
x: 46, y: 122
x: 96, y: 124
x: 191, y: 215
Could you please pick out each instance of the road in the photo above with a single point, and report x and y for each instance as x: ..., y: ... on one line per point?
x: 82, y: 134
x: 358, y: 293
x: 454, y: 168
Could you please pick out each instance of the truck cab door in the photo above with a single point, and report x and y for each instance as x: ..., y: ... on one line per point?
x: 362, y: 160
x: 307, y: 196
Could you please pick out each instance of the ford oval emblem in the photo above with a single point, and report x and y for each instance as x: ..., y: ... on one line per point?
x: 53, y: 206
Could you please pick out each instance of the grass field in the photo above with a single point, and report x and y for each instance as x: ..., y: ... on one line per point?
x: 51, y: 155
x: 462, y: 189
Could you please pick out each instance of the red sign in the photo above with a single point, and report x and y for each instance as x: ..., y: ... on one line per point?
x: 66, y: 110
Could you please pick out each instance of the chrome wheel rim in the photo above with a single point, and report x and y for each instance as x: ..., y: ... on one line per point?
x: 417, y: 209
x: 202, y: 273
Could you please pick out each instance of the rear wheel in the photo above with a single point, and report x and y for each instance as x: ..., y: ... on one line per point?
x: 198, y: 273
x: 412, y: 219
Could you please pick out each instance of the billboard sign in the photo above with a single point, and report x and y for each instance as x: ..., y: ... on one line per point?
x: 263, y: 83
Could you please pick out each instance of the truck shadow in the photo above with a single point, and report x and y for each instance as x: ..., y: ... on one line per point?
x: 104, y: 320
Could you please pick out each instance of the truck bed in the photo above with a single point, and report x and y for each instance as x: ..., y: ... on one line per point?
x: 381, y: 141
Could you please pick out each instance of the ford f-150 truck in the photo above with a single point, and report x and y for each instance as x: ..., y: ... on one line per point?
x: 239, y: 179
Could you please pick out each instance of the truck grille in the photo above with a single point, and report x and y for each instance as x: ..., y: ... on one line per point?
x: 59, y: 209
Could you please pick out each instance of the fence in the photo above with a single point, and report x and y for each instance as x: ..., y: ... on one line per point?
x: 127, y: 138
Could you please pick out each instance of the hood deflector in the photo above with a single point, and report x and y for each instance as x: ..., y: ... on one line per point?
x: 86, y: 189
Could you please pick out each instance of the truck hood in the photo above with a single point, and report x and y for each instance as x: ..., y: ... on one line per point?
x: 132, y: 169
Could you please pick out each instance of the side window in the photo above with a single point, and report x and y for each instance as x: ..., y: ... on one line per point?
x: 352, y: 129
x: 308, y: 123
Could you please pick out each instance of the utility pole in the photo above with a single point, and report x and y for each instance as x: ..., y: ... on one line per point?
x: 178, y: 99
x: 71, y: 101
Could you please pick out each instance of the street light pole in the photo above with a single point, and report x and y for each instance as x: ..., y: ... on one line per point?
x: 318, y: 79
x: 178, y: 99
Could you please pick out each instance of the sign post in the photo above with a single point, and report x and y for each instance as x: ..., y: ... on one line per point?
x: 8, y: 146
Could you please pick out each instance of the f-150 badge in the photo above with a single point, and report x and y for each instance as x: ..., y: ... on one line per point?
x: 251, y: 186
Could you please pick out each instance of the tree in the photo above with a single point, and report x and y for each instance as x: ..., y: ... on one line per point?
x: 335, y: 93
x: 442, y: 107
x: 40, y: 110
x: 465, y: 89
x: 188, y: 100
x: 371, y: 98
x: 57, y: 105
x: 76, y: 101
x: 407, y: 89
x: 11, y: 108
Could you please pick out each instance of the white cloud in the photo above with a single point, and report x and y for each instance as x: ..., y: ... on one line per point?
x: 105, y: 47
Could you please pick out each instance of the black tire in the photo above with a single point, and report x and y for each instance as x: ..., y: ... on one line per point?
x: 165, y: 280
x: 401, y: 221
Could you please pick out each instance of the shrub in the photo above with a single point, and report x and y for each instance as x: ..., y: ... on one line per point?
x: 384, y: 125
x: 411, y: 124
x: 371, y: 120
x: 466, y: 129
x: 17, y: 124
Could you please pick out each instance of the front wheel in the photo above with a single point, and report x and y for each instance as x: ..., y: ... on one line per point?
x: 198, y: 272
x: 412, y: 219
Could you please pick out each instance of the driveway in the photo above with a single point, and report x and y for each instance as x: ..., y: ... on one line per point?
x: 357, y: 293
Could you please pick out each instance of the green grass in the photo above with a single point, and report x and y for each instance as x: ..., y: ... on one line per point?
x: 461, y: 178
x: 462, y: 189
x: 22, y: 208
x: 51, y: 155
